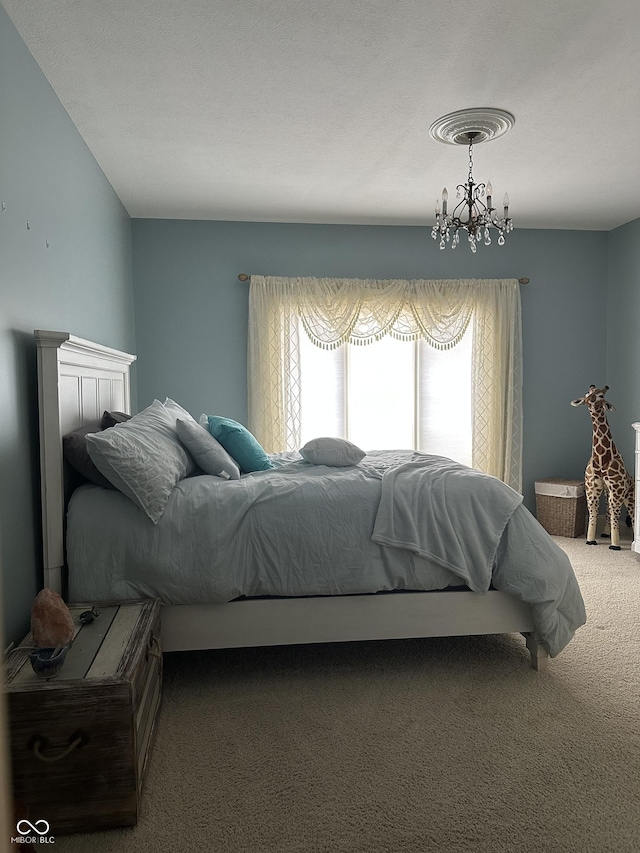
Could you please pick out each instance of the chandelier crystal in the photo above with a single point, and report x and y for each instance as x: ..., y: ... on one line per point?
x: 471, y: 213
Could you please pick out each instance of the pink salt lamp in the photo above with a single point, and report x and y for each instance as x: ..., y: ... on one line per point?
x: 51, y: 621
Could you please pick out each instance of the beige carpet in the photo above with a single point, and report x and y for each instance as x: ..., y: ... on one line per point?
x: 405, y: 746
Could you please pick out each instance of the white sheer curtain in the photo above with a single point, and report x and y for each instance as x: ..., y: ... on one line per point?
x: 360, y: 311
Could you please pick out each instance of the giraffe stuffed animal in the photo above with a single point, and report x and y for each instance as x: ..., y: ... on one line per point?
x: 605, y: 469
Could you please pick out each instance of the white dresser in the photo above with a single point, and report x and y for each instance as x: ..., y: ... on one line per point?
x: 635, y: 546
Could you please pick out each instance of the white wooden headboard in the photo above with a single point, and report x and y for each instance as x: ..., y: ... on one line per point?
x: 77, y: 381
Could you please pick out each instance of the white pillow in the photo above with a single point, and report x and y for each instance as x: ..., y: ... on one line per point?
x: 337, y: 452
x: 208, y: 453
x: 143, y: 457
x: 176, y: 410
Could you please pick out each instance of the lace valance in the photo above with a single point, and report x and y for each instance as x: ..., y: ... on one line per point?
x: 360, y: 311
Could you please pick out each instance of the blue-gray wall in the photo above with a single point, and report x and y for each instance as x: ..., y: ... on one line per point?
x: 191, y: 311
x: 81, y: 283
x: 622, y: 330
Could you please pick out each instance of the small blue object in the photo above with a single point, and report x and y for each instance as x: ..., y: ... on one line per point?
x: 87, y: 616
x: 48, y: 662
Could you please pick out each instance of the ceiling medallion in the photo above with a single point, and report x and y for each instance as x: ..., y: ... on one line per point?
x: 471, y: 214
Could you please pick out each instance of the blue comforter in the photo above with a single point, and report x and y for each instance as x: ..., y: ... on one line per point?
x: 398, y: 520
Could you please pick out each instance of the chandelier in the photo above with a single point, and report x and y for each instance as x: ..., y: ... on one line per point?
x: 474, y: 213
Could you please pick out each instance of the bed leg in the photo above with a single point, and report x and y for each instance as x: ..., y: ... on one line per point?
x: 537, y: 649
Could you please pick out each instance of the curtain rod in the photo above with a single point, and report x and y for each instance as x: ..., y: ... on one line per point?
x: 244, y: 277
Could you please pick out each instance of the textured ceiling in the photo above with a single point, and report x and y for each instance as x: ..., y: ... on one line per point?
x: 319, y: 110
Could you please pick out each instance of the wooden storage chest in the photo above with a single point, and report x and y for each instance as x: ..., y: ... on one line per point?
x: 80, y: 742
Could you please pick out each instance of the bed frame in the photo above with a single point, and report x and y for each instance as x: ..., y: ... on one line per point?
x: 77, y: 381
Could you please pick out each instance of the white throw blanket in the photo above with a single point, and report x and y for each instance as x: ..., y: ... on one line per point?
x: 448, y: 513
x: 476, y: 526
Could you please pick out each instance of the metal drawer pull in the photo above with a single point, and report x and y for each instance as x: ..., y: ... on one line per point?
x: 38, y: 743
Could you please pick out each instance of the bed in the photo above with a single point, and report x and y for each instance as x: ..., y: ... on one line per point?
x: 79, y: 380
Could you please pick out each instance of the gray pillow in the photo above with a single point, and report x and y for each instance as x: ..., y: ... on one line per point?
x: 110, y: 419
x: 207, y: 452
x: 74, y: 448
x: 337, y: 452
x: 143, y: 458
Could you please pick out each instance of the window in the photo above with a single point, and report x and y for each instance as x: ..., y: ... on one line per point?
x: 434, y: 365
x: 389, y: 394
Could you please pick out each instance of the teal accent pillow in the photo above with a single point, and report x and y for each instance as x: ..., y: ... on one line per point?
x: 239, y: 443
